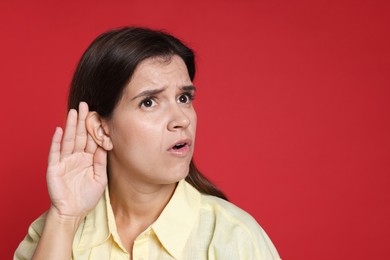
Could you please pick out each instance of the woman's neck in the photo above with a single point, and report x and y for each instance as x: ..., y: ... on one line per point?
x: 136, y: 205
x: 137, y: 200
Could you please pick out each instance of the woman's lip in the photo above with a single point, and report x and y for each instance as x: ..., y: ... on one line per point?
x: 186, y: 142
x: 182, y: 151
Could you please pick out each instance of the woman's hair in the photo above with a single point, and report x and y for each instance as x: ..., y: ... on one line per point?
x: 108, y: 65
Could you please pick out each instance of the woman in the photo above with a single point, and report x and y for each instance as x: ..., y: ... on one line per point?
x: 121, y: 178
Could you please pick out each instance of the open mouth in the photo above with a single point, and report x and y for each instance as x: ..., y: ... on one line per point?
x: 179, y: 146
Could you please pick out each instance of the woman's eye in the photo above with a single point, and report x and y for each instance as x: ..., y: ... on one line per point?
x: 147, y: 102
x: 185, y: 98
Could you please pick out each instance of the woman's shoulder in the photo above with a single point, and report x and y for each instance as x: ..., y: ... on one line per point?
x: 36, y: 227
x: 226, y: 211
x: 235, y: 230
x: 27, y: 247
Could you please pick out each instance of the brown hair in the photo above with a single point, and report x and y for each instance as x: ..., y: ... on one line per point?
x: 108, y: 65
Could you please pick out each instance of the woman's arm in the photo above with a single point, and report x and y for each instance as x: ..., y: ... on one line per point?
x: 57, y: 237
x: 76, y: 178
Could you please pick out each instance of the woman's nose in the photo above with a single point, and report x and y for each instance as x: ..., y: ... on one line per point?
x: 179, y: 120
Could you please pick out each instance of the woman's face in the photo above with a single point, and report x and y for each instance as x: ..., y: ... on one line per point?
x: 153, y: 126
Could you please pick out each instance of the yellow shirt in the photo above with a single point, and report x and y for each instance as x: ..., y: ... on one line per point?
x: 191, y: 226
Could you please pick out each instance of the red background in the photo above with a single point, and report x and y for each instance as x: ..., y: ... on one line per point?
x: 293, y: 108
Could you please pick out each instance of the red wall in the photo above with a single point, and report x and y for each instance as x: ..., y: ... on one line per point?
x: 293, y: 107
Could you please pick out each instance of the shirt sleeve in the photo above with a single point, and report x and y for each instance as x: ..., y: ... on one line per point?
x: 27, y: 247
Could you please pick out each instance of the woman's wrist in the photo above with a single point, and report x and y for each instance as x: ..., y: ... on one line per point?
x: 57, y: 236
x: 69, y: 223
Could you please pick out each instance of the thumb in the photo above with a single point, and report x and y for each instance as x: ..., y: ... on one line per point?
x: 100, y: 165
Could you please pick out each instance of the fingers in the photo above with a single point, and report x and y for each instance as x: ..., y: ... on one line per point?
x: 54, y: 152
x: 75, y: 137
x: 68, y: 140
x: 91, y: 145
x: 81, y: 131
x: 100, y: 165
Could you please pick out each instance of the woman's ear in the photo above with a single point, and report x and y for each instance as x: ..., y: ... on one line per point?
x: 98, y: 131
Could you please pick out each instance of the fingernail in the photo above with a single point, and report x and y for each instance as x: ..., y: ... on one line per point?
x: 100, y: 132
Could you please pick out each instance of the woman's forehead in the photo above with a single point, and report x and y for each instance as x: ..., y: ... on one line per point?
x: 160, y: 72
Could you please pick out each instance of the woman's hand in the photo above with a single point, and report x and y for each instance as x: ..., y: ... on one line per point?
x: 76, y: 174
x: 76, y: 179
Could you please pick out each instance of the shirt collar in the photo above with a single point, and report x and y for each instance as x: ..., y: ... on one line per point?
x: 174, y: 225
x: 98, y: 224
x: 172, y: 228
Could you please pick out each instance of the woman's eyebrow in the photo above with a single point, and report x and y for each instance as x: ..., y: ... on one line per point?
x: 188, y: 88
x: 153, y: 92
x: 149, y: 92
